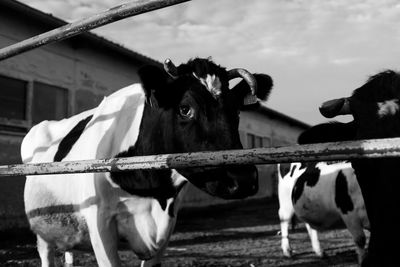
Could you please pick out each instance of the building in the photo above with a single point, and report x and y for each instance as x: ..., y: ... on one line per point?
x: 62, y: 79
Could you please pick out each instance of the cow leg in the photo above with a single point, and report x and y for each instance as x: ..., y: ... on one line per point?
x: 360, y: 241
x: 356, y: 230
x: 69, y: 259
x: 155, y: 261
x: 315, y: 241
x: 46, y: 252
x: 285, y: 218
x: 104, y: 239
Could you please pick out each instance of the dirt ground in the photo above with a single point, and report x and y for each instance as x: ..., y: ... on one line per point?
x: 232, y: 235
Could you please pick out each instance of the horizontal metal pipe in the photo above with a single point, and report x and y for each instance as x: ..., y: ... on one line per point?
x: 113, y: 14
x: 377, y: 148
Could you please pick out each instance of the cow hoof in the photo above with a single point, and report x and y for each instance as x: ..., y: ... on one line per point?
x: 287, y: 254
x: 321, y: 254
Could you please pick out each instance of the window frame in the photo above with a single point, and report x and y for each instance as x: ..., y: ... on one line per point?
x: 32, y: 97
x: 26, y: 124
x: 256, y: 141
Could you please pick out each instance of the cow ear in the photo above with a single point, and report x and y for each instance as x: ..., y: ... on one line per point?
x: 328, y: 132
x: 264, y: 87
x: 154, y: 81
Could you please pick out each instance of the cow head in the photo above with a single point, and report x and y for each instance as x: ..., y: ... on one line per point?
x: 191, y: 108
x: 374, y: 106
x: 376, y: 112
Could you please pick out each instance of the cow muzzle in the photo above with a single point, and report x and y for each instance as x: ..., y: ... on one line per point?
x: 335, y: 107
x: 230, y: 183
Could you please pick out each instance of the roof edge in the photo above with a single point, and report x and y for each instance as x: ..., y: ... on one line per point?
x: 263, y: 108
x: 57, y: 22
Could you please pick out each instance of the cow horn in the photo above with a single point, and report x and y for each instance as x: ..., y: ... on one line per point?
x: 170, y: 68
x: 332, y: 108
x: 251, y: 98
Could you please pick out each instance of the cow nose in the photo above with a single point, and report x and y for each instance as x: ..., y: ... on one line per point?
x: 244, y: 181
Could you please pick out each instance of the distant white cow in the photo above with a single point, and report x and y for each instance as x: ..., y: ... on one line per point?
x: 321, y: 194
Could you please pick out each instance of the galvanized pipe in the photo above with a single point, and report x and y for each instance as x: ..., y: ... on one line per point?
x: 377, y: 148
x: 113, y: 14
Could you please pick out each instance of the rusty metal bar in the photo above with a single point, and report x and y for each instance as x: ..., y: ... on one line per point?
x: 113, y: 14
x: 377, y: 148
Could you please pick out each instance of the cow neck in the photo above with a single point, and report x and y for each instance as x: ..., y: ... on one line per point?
x: 149, y: 183
x: 379, y: 182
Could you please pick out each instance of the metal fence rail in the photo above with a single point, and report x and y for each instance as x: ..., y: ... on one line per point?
x: 376, y: 148
x: 113, y: 14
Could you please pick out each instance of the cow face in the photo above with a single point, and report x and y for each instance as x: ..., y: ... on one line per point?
x: 374, y: 106
x: 192, y: 109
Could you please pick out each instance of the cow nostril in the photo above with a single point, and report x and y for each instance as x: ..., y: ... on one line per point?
x: 233, y: 188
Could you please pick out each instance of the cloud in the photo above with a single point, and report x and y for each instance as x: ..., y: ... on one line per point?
x: 314, y: 49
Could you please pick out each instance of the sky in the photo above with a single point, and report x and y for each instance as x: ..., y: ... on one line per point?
x: 314, y: 50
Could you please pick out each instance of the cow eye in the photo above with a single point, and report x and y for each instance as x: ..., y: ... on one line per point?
x: 186, y: 111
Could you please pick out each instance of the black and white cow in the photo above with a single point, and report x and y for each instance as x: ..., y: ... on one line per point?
x: 194, y: 110
x: 375, y: 109
x: 321, y: 194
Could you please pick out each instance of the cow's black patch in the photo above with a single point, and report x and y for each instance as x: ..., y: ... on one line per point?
x: 293, y: 170
x: 342, y: 197
x: 163, y: 202
x: 328, y: 132
x: 171, y: 208
x: 303, y: 165
x: 144, y: 183
x: 284, y: 168
x: 309, y: 177
x: 332, y: 162
x: 70, y: 139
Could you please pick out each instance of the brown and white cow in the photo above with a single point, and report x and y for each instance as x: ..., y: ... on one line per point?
x: 193, y: 111
x: 376, y: 112
x: 321, y: 194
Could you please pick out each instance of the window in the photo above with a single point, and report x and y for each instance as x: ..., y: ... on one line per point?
x: 254, y: 141
x: 49, y: 102
x: 23, y: 103
x: 13, y: 95
x: 12, y: 98
x: 266, y: 142
x: 250, y: 141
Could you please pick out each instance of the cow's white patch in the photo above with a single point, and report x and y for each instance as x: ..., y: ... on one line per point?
x: 69, y: 258
x: 388, y: 108
x: 212, y: 83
